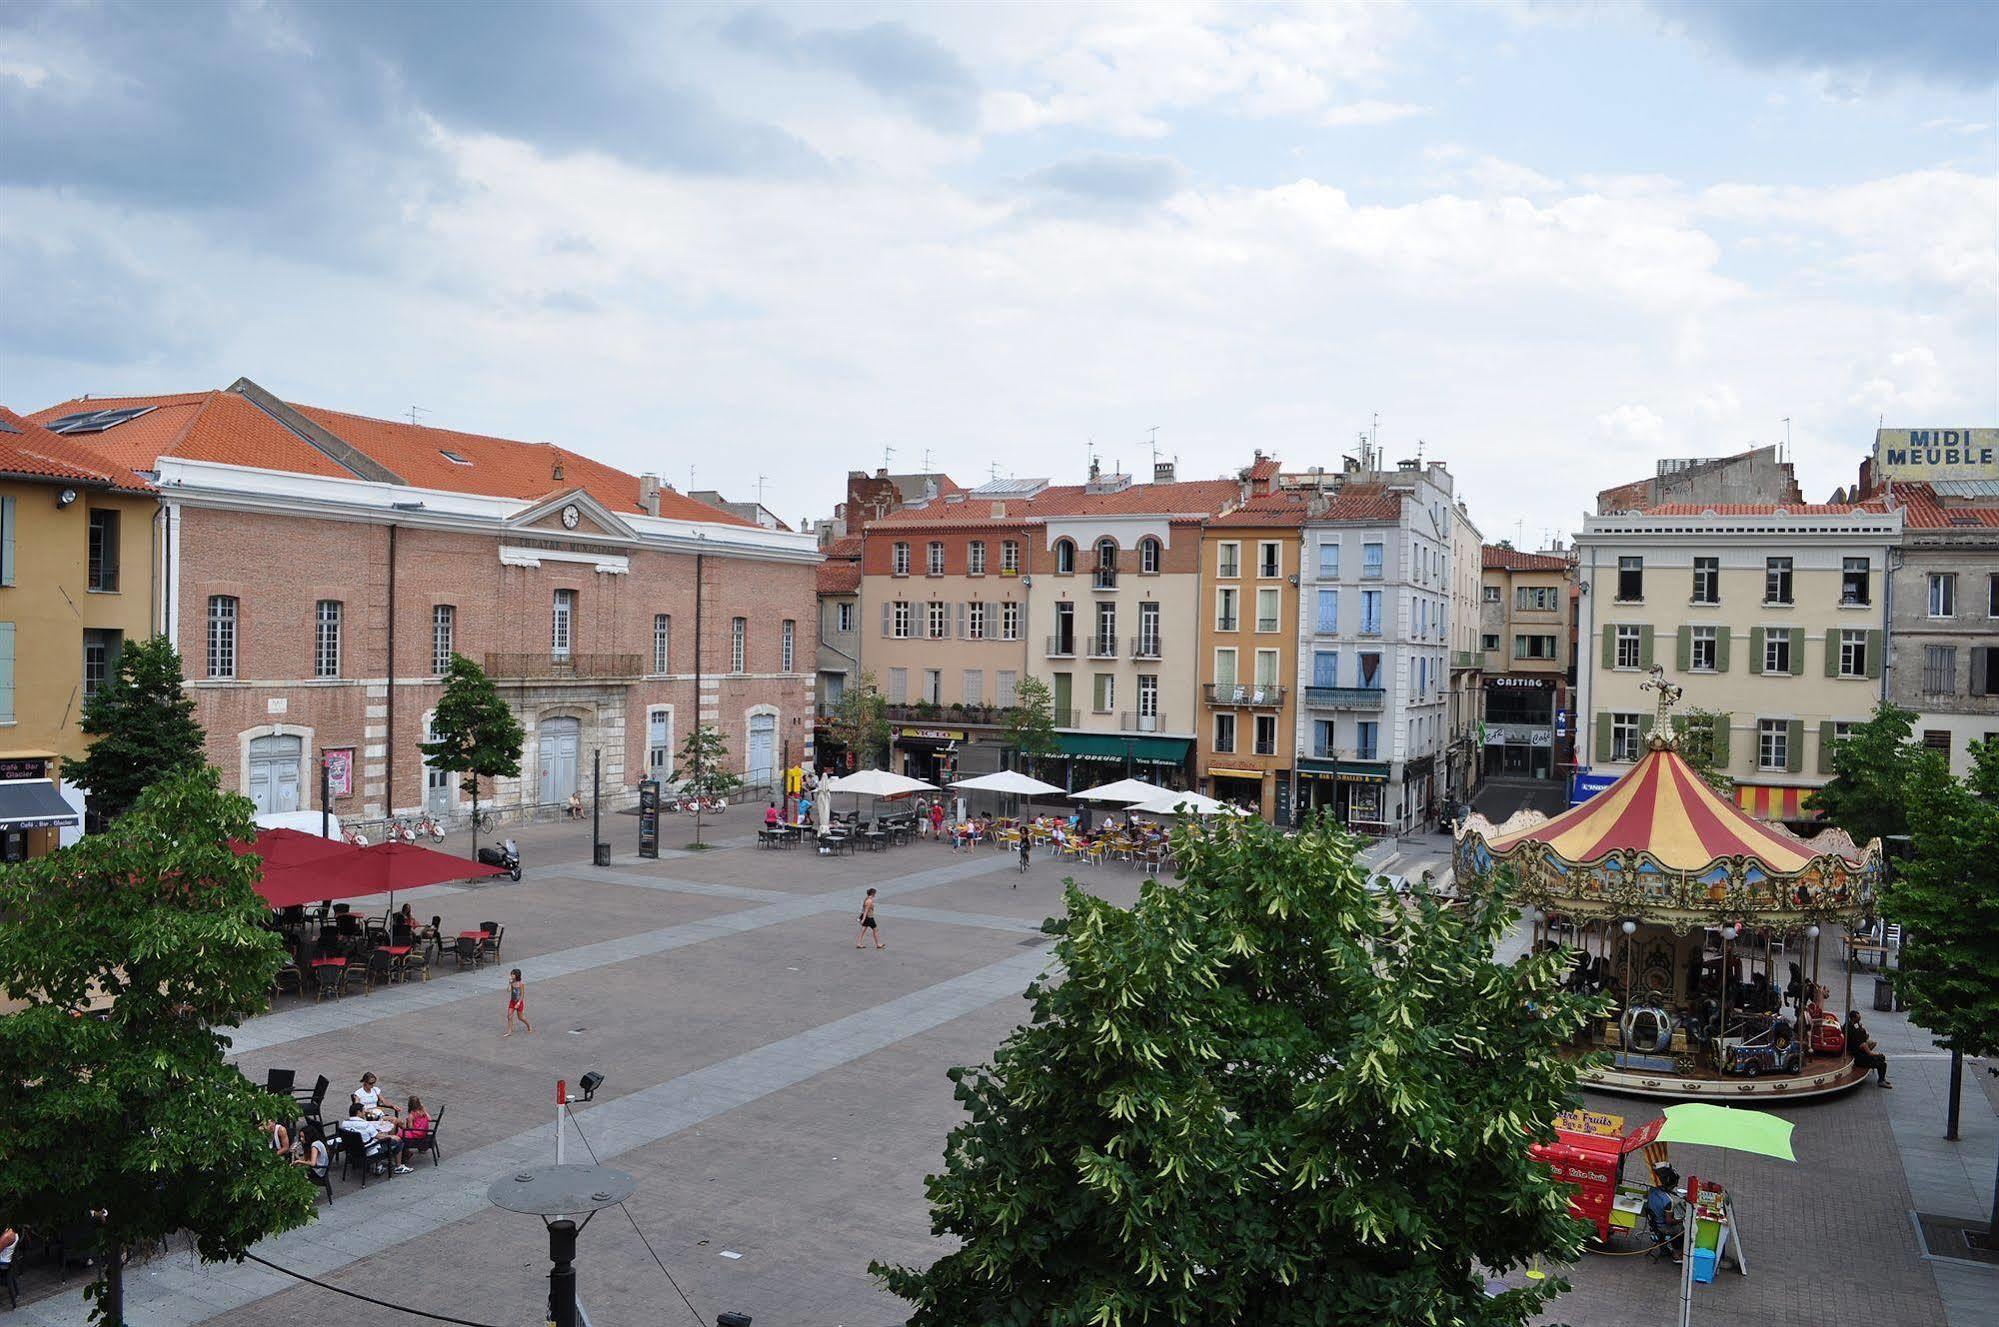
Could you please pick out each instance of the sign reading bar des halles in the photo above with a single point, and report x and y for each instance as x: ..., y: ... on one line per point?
x: 1921, y: 454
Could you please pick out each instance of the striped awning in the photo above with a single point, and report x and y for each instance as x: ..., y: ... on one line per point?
x: 1662, y: 807
x: 1768, y: 803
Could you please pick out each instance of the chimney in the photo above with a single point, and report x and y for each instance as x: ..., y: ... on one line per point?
x: 649, y: 494
x: 1162, y: 472
x: 555, y: 474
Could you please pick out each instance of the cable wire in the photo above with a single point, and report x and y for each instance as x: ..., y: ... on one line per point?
x: 698, y: 1319
x: 366, y: 1299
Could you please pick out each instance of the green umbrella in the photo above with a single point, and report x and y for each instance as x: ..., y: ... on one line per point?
x: 1700, y: 1125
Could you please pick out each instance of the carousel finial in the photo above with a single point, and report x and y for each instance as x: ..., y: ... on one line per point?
x: 1663, y: 735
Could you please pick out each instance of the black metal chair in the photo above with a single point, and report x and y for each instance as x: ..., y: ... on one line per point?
x: 495, y: 933
x: 315, y: 1132
x: 325, y: 981
x: 381, y: 970
x: 279, y: 1082
x: 466, y: 951
x: 355, y: 974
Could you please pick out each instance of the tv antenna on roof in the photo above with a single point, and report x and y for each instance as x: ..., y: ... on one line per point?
x: 992, y: 471
x: 1787, y: 440
x: 926, y: 460
x: 888, y: 457
x: 416, y: 410
x: 761, y: 481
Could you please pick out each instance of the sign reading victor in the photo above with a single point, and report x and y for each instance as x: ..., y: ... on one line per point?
x: 1920, y: 454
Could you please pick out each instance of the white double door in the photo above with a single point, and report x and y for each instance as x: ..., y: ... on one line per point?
x: 557, y: 742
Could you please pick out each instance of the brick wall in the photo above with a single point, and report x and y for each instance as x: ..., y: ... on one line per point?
x: 278, y: 567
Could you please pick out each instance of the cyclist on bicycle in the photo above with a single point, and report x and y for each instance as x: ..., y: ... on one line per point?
x: 1026, y: 850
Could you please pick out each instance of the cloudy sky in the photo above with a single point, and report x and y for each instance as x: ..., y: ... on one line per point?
x: 1549, y: 242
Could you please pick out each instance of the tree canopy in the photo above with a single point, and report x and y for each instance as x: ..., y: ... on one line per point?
x: 1262, y: 1094
x: 133, y: 1111
x: 704, y: 769
x: 1871, y: 769
x: 142, y: 727
x: 859, y: 723
x: 1946, y: 897
x: 473, y: 731
x: 1030, y: 724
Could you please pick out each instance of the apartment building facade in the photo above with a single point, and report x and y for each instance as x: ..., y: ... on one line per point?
x: 840, y: 635
x: 1773, y: 617
x: 1943, y: 629
x: 1249, y: 647
x: 611, y: 612
x: 1525, y: 636
x: 76, y: 583
x: 1463, y: 756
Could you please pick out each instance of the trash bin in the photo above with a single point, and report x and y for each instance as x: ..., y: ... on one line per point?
x: 603, y: 854
x: 1884, y: 996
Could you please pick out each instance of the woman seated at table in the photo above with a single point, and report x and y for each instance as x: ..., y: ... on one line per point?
x: 416, y: 1128
x: 368, y: 1096
x: 404, y: 926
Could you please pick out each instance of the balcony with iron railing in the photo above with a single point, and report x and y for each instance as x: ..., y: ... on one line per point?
x: 1130, y: 722
x: 1461, y: 659
x: 1145, y: 647
x: 550, y: 667
x: 1228, y: 622
x: 1103, y: 647
x: 1104, y: 578
x: 1328, y: 751
x: 1245, y: 696
x: 1065, y: 718
x: 1345, y: 698
x: 1061, y: 647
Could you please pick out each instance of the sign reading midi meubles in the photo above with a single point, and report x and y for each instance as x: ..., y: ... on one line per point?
x: 1921, y: 454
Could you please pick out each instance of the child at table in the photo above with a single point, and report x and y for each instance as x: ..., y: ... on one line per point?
x: 416, y: 1128
x: 517, y: 1003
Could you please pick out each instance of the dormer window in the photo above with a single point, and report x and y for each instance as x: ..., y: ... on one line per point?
x: 452, y: 457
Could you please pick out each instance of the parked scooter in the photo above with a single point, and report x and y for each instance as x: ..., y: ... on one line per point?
x: 507, y: 857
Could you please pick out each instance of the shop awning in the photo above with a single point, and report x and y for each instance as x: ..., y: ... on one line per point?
x: 1766, y: 803
x: 1349, y: 771
x: 34, y: 804
x: 1107, y: 746
x: 1220, y: 773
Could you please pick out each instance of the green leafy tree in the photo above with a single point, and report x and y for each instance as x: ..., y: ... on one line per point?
x: 135, y: 1113
x: 475, y: 733
x: 1946, y: 898
x: 860, y: 723
x: 1030, y: 724
x: 1871, y: 769
x: 704, y: 769
x: 1696, y: 732
x: 142, y: 727
x: 1263, y: 1094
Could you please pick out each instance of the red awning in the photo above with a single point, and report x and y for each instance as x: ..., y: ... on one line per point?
x: 302, y: 868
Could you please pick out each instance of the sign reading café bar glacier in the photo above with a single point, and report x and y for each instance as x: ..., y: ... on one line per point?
x: 1924, y: 454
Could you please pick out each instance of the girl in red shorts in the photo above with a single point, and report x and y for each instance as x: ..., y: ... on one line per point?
x: 517, y: 1005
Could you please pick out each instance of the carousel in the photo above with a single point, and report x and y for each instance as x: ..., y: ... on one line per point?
x: 1704, y: 925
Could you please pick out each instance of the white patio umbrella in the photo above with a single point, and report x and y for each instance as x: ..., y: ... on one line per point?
x: 1124, y: 790
x: 822, y: 807
x: 1185, y: 804
x: 1010, y: 782
x: 877, y: 783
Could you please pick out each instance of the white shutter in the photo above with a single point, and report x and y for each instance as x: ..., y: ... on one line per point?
x: 886, y: 607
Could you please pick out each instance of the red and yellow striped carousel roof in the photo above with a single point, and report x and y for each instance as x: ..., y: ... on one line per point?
x: 1664, y: 808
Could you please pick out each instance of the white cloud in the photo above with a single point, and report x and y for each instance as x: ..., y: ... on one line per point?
x: 1369, y: 113
x: 1908, y: 384
x: 1632, y: 424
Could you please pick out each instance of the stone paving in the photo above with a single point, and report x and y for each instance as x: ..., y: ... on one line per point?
x: 780, y: 1096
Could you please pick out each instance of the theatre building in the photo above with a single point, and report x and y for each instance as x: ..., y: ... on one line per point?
x: 319, y: 569
x: 1525, y: 619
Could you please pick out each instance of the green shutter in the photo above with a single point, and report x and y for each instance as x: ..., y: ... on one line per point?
x: 1609, y: 642
x: 1798, y: 651
x: 1794, y: 745
x: 7, y: 549
x: 1645, y: 646
x: 1825, y: 746
x: 7, y: 668
x: 1755, y: 649
x: 1719, y: 754
x: 1603, y: 738
x: 1721, y: 639
x: 1683, y: 655
x: 1831, y: 652
x: 1874, y: 649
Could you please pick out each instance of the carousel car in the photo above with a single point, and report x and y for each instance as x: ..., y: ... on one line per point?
x: 1762, y: 1054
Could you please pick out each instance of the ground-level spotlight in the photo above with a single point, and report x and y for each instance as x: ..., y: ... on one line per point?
x: 555, y: 1194
x: 589, y: 1083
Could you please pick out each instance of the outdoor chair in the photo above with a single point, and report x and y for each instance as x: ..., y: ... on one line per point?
x: 288, y: 974
x: 428, y: 1143
x: 316, y: 1132
x: 380, y: 972
x: 466, y: 951
x: 280, y: 1082
x: 495, y: 933
x: 12, y: 1279
x: 354, y: 975
x: 326, y: 981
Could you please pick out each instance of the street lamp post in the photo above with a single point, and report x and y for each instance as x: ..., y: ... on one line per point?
x: 556, y: 1194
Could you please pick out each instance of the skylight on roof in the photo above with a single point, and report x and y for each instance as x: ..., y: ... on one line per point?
x: 452, y: 457
x: 95, y: 421
x: 5, y: 427
x: 1010, y: 488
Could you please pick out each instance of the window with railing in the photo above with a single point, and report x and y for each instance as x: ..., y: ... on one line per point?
x: 1010, y: 557
x: 1328, y: 620
x: 934, y: 561
x: 975, y: 558
x: 1370, y: 612
x: 899, y: 559
x: 1267, y: 608
x: 1226, y: 600
x: 1371, y: 561
x: 1367, y: 741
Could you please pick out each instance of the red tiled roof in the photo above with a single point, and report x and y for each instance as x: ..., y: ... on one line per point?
x: 1285, y: 507
x: 840, y: 573
x: 1066, y: 501
x: 1364, y: 502
x: 1508, y: 559
x: 1763, y: 509
x: 1922, y: 510
x: 226, y: 427
x: 1264, y: 467
x: 26, y: 448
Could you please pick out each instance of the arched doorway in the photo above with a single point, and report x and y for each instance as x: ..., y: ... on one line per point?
x: 760, y: 751
x: 274, y: 773
x: 557, y: 741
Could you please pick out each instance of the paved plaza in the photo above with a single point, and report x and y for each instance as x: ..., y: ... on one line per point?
x: 779, y: 1097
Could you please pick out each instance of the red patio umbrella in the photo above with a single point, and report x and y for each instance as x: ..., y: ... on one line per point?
x: 282, y: 848
x: 302, y: 868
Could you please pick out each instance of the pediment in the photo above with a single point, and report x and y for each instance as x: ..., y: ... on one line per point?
x: 593, y: 519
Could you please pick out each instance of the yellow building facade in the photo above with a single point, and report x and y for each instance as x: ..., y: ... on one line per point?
x: 1247, y: 742
x: 76, y: 582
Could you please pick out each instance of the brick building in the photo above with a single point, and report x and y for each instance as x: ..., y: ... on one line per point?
x: 318, y: 569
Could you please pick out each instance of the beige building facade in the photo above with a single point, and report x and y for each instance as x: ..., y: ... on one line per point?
x: 1772, y: 618
x: 1524, y: 635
